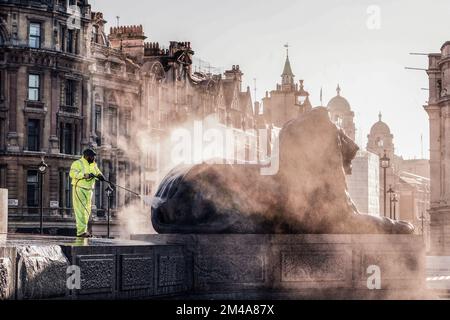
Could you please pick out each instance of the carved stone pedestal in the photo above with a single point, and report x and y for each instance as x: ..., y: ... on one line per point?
x: 440, y: 231
x: 43, y: 267
x: 214, y: 267
x: 302, y: 266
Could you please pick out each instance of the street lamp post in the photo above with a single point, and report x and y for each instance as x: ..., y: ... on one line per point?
x: 384, y: 163
x: 109, y: 192
x: 421, y: 218
x: 395, y: 200
x: 391, y: 192
x: 42, y: 170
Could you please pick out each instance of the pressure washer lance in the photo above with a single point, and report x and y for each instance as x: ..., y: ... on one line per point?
x: 148, y: 200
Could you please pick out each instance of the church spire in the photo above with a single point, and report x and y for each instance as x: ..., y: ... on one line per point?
x: 379, y: 116
x: 287, y: 78
x: 338, y: 90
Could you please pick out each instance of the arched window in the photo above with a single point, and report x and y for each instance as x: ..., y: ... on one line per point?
x: 380, y: 142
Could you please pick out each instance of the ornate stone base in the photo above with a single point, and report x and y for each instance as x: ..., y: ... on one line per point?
x: 214, y: 267
x: 303, y: 266
x: 440, y: 231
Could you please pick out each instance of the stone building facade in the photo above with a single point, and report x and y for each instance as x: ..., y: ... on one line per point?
x: 44, y: 90
x: 66, y: 84
x: 438, y: 109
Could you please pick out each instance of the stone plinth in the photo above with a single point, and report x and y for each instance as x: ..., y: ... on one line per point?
x: 3, y: 213
x: 440, y: 231
x: 214, y: 267
x: 120, y: 269
x: 302, y: 266
x: 41, y: 267
x: 7, y: 274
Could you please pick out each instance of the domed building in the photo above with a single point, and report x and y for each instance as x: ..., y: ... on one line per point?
x: 408, y: 179
x: 380, y: 139
x: 341, y: 114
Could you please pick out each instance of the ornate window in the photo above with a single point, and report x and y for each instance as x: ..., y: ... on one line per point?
x: 379, y: 142
x: 33, y: 134
x: 34, y: 38
x: 68, y: 138
x: 98, y: 123
x: 70, y: 41
x: 32, y: 188
x: 3, y: 171
x: 95, y: 34
x: 65, y: 191
x: 34, y: 87
x: 2, y: 133
x: 69, y: 97
x: 123, y: 198
x: 70, y: 91
x: 124, y: 122
x: 112, y: 121
x: 63, y: 38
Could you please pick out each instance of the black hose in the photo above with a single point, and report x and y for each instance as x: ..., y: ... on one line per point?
x: 117, y: 186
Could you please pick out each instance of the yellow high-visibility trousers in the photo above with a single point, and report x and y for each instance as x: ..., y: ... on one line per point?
x: 82, y: 200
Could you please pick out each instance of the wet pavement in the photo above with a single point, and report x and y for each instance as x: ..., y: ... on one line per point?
x: 31, y: 239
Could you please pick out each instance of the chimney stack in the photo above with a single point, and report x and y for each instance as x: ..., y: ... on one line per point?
x: 128, y: 39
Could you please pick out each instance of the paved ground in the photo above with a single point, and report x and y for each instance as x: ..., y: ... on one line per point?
x: 30, y: 239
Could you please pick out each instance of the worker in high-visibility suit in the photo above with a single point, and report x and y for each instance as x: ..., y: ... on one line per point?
x: 83, y: 173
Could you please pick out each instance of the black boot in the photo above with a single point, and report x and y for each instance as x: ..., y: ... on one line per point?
x: 85, y: 235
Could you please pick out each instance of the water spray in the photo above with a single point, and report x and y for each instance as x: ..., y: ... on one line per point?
x: 109, y: 191
x: 147, y: 199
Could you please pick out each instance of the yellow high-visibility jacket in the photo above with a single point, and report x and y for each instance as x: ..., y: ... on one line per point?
x: 81, y: 167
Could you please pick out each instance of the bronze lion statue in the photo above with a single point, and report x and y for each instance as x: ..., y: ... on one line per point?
x: 308, y: 193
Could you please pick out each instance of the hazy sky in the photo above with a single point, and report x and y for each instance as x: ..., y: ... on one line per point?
x: 330, y: 42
